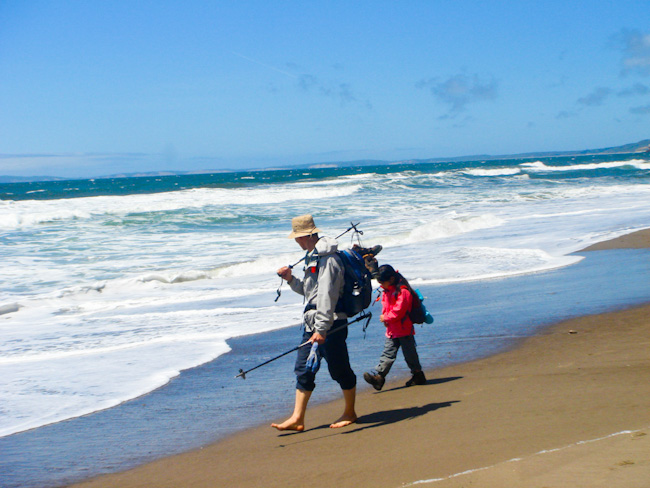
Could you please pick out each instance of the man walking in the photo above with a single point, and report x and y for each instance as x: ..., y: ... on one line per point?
x: 322, y: 287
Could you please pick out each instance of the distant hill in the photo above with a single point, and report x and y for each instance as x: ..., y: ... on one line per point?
x: 27, y: 179
x: 641, y: 147
x: 636, y: 147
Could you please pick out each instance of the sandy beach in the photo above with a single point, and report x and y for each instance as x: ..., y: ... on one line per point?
x: 569, y: 407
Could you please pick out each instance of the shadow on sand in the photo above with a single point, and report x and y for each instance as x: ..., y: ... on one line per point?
x: 436, y: 381
x: 387, y: 417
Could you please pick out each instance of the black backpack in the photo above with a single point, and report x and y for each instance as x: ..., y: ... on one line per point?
x: 357, y: 288
x: 419, y: 313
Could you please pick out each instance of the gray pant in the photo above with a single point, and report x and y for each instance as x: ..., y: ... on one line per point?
x: 391, y: 346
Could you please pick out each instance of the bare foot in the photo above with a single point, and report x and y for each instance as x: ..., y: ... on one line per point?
x: 343, y: 421
x: 290, y: 424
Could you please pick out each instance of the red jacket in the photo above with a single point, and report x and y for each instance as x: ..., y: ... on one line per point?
x: 395, y: 310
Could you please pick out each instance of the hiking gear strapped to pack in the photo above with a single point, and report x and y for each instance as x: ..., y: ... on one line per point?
x: 419, y: 313
x: 357, y: 286
x: 367, y: 254
x: 358, y: 264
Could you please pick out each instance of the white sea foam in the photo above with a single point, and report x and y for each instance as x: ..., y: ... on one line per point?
x: 106, y: 298
x: 540, y: 166
x: 493, y: 172
x: 20, y: 214
x: 101, y: 363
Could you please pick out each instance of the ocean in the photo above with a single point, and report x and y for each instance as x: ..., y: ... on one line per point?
x: 111, y: 288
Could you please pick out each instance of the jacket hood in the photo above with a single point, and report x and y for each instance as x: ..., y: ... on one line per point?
x: 326, y: 246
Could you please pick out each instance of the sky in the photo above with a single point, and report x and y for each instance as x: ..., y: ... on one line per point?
x: 90, y: 88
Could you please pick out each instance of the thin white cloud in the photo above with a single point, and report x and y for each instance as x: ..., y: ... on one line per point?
x: 635, y: 47
x: 340, y: 91
x: 72, y: 165
x: 644, y: 110
x: 459, y: 91
x: 638, y: 89
x: 565, y: 114
x: 596, y: 97
x: 268, y: 66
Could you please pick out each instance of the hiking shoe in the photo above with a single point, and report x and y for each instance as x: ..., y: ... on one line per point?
x: 417, y: 379
x: 376, y: 380
x: 364, y: 251
x: 374, y: 250
x: 371, y: 265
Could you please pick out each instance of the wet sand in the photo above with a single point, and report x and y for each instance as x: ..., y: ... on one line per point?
x: 568, y: 407
x: 634, y: 240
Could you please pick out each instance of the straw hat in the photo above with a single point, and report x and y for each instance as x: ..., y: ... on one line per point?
x: 303, y: 226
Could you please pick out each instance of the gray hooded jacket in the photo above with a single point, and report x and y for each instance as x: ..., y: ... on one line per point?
x: 322, y: 286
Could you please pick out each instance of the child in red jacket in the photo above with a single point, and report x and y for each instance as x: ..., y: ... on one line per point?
x: 396, y: 302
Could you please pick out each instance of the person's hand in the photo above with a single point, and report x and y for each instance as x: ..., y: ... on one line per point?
x: 285, y: 273
x: 317, y: 337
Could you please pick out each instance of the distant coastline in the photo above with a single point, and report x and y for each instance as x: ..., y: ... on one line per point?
x: 641, y: 147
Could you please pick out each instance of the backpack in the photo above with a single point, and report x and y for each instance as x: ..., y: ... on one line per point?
x: 419, y: 313
x: 357, y: 287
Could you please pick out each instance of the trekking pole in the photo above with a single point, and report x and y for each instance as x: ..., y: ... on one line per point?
x: 243, y: 373
x: 352, y: 226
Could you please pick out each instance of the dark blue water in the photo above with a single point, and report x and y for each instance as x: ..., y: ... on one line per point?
x: 52, y: 190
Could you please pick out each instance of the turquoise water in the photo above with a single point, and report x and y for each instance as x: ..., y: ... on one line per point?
x: 623, y: 166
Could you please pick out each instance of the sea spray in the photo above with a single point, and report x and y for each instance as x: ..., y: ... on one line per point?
x: 112, y: 288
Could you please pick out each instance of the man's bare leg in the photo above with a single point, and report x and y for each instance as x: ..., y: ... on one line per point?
x: 297, y: 419
x: 349, y: 415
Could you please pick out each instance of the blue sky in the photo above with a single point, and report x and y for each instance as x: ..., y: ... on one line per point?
x: 89, y: 88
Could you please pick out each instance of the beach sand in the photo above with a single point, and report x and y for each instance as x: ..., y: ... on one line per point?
x: 569, y: 407
x: 634, y: 240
